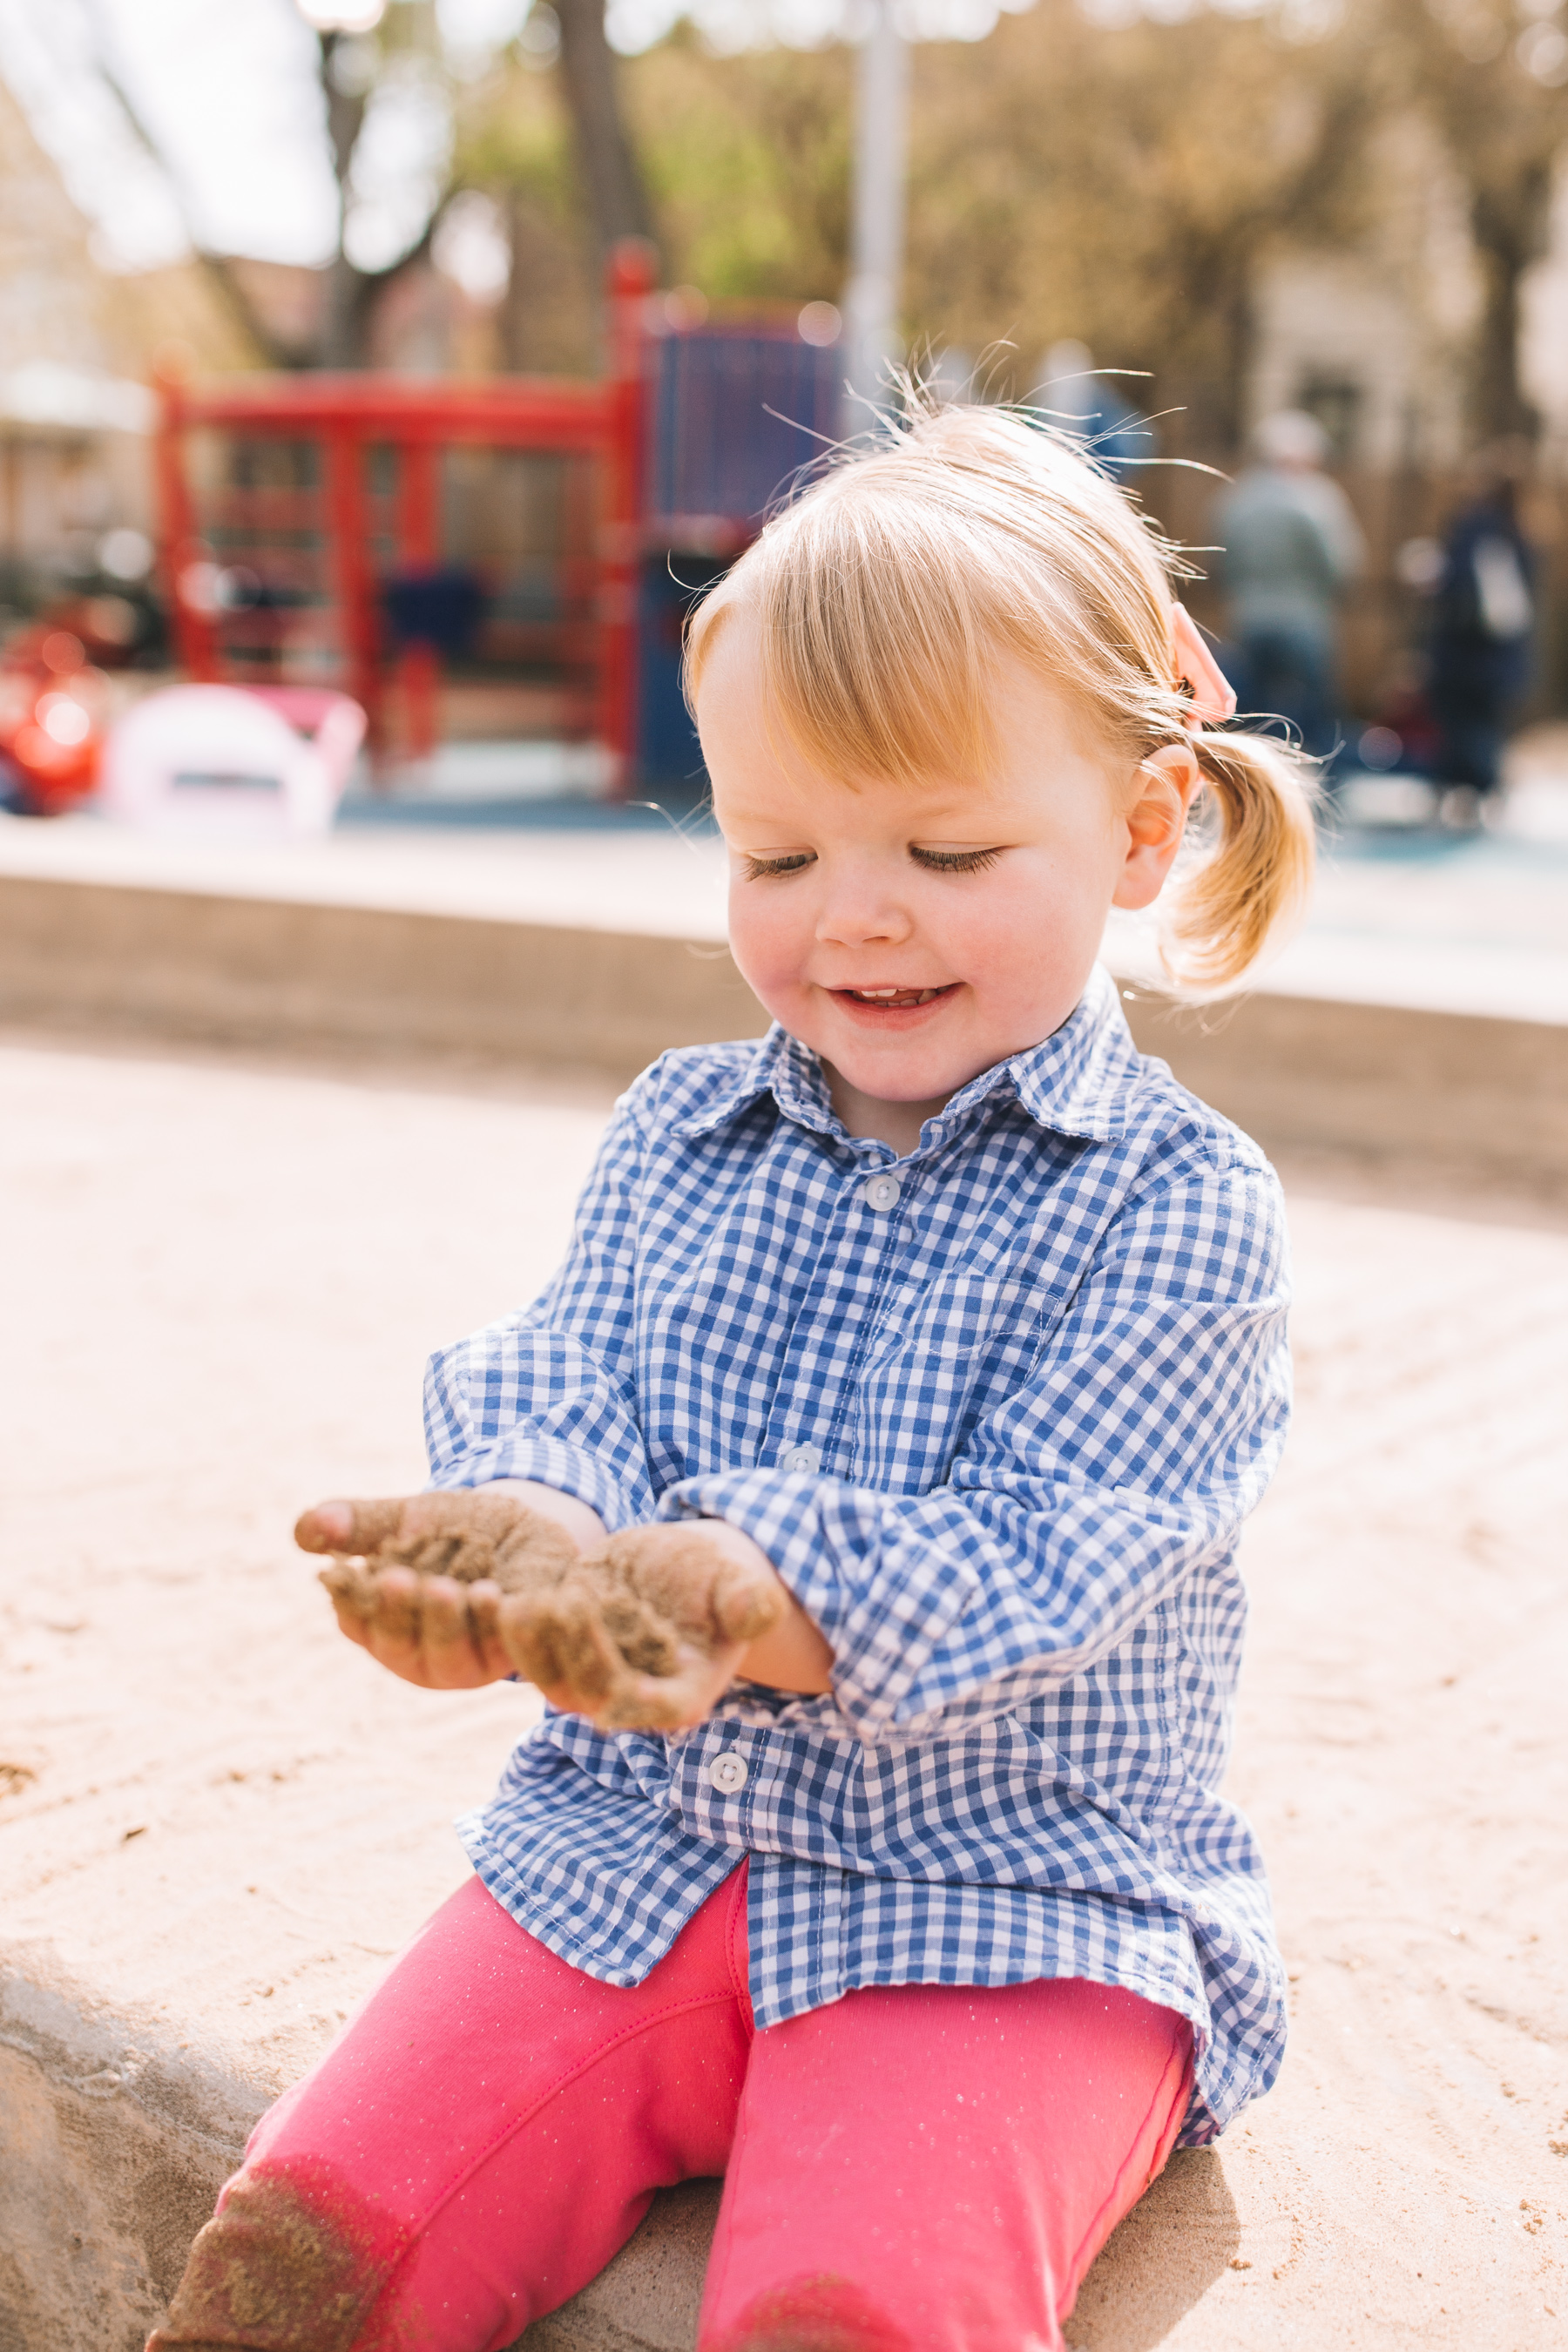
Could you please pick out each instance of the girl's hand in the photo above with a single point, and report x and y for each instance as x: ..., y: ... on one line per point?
x: 647, y: 1632
x: 418, y: 1579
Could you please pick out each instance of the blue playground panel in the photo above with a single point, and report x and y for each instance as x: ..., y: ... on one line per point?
x: 733, y: 419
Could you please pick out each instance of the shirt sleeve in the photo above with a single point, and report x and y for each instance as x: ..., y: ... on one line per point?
x: 1149, y: 1426
x: 549, y: 1393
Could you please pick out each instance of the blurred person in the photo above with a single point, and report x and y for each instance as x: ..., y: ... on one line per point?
x: 863, y: 1494
x: 1291, y: 547
x: 1482, y: 630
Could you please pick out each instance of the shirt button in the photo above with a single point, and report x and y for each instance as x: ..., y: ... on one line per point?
x: 804, y: 1457
x: 727, y: 1773
x: 881, y: 1192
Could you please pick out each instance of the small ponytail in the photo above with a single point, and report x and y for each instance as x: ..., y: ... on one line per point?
x: 1251, y: 882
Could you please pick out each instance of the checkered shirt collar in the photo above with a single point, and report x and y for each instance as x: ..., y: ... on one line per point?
x: 1082, y: 1081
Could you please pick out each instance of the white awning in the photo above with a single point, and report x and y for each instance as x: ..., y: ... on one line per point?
x: 82, y: 400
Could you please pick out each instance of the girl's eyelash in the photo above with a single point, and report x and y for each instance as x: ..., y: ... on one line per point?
x: 954, y: 861
x: 936, y: 861
x: 756, y: 867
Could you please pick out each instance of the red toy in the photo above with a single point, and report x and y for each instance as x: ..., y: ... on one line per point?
x: 51, y: 719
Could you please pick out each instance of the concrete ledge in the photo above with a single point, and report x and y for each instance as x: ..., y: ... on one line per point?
x: 110, y: 2156
x: 1478, y: 1093
x: 279, y: 971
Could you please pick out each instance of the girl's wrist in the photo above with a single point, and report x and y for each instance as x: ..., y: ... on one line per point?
x: 579, y: 1519
x: 793, y: 1655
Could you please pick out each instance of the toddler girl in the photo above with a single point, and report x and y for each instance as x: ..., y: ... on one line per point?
x: 864, y: 1494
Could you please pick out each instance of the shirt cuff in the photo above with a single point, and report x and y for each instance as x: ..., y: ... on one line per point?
x: 553, y: 1462
x: 882, y: 1595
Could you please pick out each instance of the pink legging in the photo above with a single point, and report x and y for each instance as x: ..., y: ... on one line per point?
x: 917, y: 2168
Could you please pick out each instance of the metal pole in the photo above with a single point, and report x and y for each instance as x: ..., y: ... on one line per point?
x: 876, y: 256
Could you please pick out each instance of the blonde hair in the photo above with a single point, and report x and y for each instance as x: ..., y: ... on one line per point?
x: 887, y: 594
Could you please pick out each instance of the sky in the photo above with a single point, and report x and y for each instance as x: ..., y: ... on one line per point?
x: 227, y: 93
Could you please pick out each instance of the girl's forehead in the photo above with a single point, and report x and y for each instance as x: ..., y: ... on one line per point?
x: 822, y: 807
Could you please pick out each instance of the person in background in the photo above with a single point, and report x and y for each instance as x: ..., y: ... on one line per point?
x: 1291, y: 546
x: 1482, y: 631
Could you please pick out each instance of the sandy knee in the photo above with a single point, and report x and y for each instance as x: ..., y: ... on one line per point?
x: 821, y: 2313
x: 292, y: 2261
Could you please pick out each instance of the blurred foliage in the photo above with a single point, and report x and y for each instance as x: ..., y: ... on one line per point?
x: 514, y: 142
x: 748, y: 158
x: 1124, y: 187
x: 1121, y: 187
x: 1123, y: 184
x: 1491, y: 78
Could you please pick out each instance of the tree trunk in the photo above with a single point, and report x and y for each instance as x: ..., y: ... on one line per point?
x: 1510, y: 227
x: 617, y: 202
x: 343, y: 310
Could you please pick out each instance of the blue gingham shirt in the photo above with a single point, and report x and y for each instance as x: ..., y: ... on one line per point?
x: 995, y: 1411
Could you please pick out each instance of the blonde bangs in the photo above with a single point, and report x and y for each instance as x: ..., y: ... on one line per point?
x: 878, y: 653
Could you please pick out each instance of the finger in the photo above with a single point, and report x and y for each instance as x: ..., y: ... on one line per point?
x: 587, y: 1660
x: 398, y: 1613
x: 527, y: 1636
x: 484, y: 1616
x: 676, y: 1702
x: 352, y: 1619
x: 745, y: 1605
x: 351, y: 1586
x: 348, y: 1527
x: 450, y: 1654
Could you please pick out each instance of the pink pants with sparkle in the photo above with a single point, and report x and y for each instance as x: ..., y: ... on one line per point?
x: 917, y: 2168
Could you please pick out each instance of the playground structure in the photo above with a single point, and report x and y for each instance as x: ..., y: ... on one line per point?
x: 502, y: 558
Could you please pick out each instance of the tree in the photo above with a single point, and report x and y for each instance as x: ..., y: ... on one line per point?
x: 1126, y: 186
x: 612, y: 180
x: 1496, y: 96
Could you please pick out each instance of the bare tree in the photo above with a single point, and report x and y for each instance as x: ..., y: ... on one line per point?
x: 1495, y: 95
x: 345, y: 309
x: 612, y: 181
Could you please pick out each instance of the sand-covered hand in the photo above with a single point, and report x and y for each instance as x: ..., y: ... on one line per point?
x: 646, y: 1632
x: 418, y: 1580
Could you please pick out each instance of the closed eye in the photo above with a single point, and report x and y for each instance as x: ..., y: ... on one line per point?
x: 953, y: 861
x: 795, y: 861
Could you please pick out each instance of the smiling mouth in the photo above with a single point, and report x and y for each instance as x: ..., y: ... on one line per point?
x: 894, y: 1000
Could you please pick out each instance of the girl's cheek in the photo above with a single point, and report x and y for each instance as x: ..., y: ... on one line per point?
x: 769, y: 949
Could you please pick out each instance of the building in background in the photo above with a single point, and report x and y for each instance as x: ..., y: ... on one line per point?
x: 77, y: 348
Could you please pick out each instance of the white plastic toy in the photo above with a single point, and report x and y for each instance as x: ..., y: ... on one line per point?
x: 257, y: 763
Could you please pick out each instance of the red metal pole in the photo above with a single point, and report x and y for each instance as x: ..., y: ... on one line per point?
x: 353, y: 585
x: 420, y: 544
x: 631, y: 281
x: 190, y: 625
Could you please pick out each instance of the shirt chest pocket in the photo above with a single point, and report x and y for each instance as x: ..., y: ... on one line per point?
x: 967, y: 1320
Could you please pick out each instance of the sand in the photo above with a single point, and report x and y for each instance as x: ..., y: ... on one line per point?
x: 220, y: 1280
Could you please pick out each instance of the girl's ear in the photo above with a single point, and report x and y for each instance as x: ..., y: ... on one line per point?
x: 1165, y: 786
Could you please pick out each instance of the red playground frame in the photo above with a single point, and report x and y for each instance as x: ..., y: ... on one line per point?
x: 354, y: 421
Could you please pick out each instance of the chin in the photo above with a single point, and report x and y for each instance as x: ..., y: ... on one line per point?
x: 906, y: 1078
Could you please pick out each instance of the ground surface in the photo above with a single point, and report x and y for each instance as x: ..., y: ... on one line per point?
x: 219, y: 1282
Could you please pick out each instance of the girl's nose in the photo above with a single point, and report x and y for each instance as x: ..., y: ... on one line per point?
x: 861, y: 912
